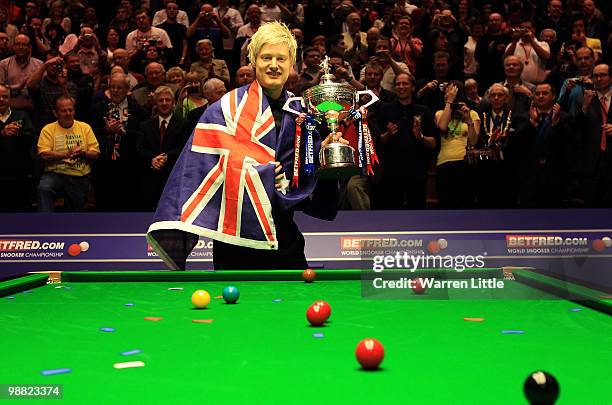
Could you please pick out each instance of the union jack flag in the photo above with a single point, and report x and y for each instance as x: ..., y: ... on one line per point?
x: 222, y: 186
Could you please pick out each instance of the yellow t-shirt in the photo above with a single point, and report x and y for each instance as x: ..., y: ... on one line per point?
x: 452, y: 145
x: 55, y: 138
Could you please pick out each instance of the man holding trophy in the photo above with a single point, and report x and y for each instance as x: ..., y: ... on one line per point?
x: 231, y: 182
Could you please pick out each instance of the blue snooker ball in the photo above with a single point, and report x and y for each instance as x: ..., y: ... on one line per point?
x: 231, y: 294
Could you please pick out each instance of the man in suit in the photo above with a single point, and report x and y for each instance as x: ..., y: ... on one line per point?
x: 115, y: 123
x: 595, y: 123
x: 546, y: 144
x: 160, y: 141
x: 16, y: 141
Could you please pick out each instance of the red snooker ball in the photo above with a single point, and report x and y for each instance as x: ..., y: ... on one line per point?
x: 324, y: 307
x: 370, y: 353
x: 74, y: 249
x: 309, y: 275
x: 417, y: 286
x: 316, y: 315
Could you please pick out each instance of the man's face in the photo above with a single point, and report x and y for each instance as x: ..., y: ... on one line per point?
x: 584, y: 60
x: 373, y: 77
x: 172, y: 10
x: 272, y: 66
x: 498, y: 98
x: 122, y: 14
x: 72, y: 63
x: 555, y: 8
x: 495, y: 21
x: 155, y: 74
x: 216, y: 93
x: 112, y: 37
x: 543, y: 97
x: 118, y: 89
x: 208, y: 10
x: 21, y: 46
x: 588, y: 7
x: 36, y: 24
x: 372, y: 37
x: 548, y: 37
x: 512, y: 67
x: 142, y: 22
x: 205, y: 51
x: 31, y: 9
x: 312, y: 59
x: 403, y: 86
x: 254, y: 14
x: 64, y: 111
x: 245, y: 75
x: 578, y: 27
x: 120, y: 57
x: 353, y: 21
x: 5, y: 98
x: 404, y: 26
x: 164, y: 102
x: 441, y: 67
x: 601, y: 77
x: 442, y: 42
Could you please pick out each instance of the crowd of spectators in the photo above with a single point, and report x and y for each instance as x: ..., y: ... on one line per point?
x: 482, y: 103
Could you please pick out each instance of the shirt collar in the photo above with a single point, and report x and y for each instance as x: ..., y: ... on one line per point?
x: 4, y: 117
x: 167, y: 119
x: 607, y: 94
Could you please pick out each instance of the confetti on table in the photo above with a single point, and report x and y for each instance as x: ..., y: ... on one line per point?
x: 27, y: 292
x: 153, y: 318
x: 318, y: 335
x: 175, y: 289
x: 474, y: 319
x: 202, y: 321
x: 606, y: 297
x: 56, y: 371
x: 10, y: 298
x: 219, y: 296
x: 575, y: 309
x: 129, y: 304
x: 130, y: 352
x: 107, y: 329
x: 277, y: 300
x: 129, y: 364
x: 513, y: 332
x: 60, y: 286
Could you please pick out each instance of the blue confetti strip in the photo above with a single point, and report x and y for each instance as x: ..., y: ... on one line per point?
x: 318, y: 335
x: 129, y: 304
x: 56, y: 371
x: 575, y: 309
x: 130, y: 352
x: 513, y: 332
x: 27, y: 291
x: 277, y: 300
x: 10, y: 298
x: 107, y: 329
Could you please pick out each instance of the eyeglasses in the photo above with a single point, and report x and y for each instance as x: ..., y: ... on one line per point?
x: 600, y: 75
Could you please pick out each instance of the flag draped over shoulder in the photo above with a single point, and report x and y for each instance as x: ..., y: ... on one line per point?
x: 222, y: 185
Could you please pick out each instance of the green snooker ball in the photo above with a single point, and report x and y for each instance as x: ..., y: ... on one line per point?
x: 231, y: 294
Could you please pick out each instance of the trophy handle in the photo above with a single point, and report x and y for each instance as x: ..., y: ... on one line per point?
x: 371, y: 93
x: 290, y: 100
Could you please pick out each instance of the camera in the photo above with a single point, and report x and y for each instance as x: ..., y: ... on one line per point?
x: 456, y: 106
x: 586, y: 85
x: 87, y: 36
x: 519, y: 30
x: 207, y: 14
x: 442, y: 86
x: 58, y: 67
x: 152, y: 42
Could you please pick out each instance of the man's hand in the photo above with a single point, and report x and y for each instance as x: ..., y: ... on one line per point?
x: 280, y: 180
x: 556, y: 114
x: 10, y: 129
x: 112, y: 125
x: 608, y: 129
x: 451, y: 93
x: 159, y: 161
x: 76, y: 152
x: 334, y: 137
x: 589, y: 95
x: 522, y: 89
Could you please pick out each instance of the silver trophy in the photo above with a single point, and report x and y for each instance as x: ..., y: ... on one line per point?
x: 333, y: 102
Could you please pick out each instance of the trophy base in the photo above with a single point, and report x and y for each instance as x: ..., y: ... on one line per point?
x: 337, y: 171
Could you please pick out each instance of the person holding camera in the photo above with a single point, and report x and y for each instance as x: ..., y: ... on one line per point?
x: 571, y: 94
x: 594, y: 120
x: 190, y: 96
x: 46, y: 85
x: 432, y: 92
x: 533, y: 53
x: 145, y: 34
x: 207, y: 25
x: 391, y: 68
x: 459, y: 128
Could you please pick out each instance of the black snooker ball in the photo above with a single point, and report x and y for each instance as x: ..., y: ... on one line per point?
x: 541, y: 388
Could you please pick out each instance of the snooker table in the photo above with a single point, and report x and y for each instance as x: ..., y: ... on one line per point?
x: 262, y: 349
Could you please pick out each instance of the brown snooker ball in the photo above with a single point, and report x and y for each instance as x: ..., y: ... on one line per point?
x: 309, y: 275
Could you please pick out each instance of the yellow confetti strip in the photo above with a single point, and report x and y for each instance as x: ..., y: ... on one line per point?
x: 129, y: 364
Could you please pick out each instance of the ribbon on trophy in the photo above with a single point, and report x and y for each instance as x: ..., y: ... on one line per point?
x: 309, y: 166
x: 367, y: 158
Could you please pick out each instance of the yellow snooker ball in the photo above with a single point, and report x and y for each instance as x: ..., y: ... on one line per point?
x: 200, y: 299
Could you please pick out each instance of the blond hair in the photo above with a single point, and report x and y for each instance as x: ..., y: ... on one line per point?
x: 272, y: 33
